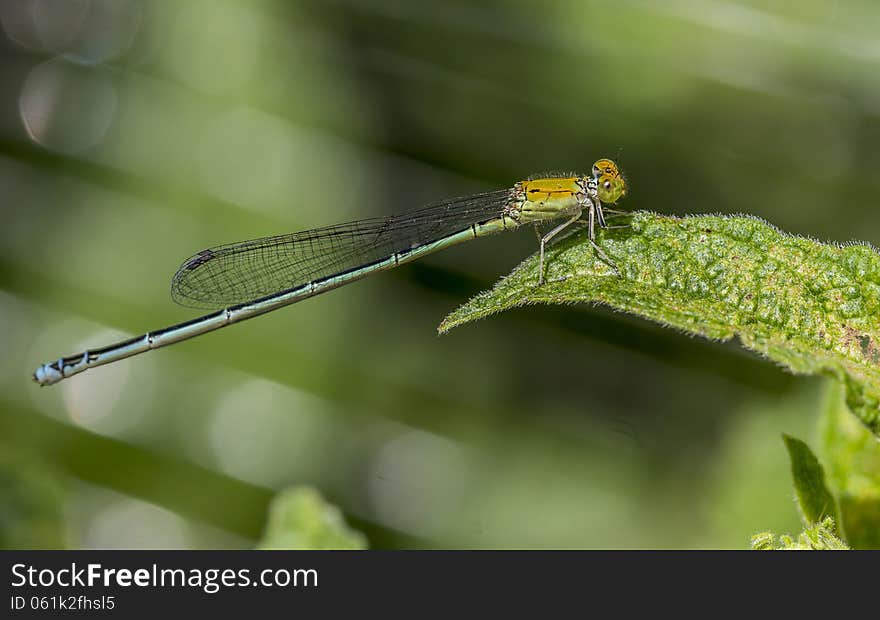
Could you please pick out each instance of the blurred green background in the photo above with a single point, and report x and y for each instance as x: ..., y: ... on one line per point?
x: 133, y: 134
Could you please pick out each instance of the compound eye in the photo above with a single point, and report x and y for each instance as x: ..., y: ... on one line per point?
x: 607, y: 184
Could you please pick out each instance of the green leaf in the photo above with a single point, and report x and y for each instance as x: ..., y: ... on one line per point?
x: 852, y: 458
x: 812, y: 307
x: 816, y: 537
x: 814, y: 499
x: 299, y: 518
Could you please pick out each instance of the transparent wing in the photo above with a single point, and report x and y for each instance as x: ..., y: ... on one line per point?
x: 236, y: 273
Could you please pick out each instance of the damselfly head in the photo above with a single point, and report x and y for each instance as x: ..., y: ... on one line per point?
x: 610, y: 181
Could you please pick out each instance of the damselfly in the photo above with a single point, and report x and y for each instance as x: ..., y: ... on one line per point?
x: 251, y: 278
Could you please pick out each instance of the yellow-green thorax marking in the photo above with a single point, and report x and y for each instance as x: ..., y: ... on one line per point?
x: 550, y: 198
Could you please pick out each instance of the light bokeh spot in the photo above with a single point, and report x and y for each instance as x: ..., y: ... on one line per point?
x: 267, y: 433
x: 417, y: 481
x: 132, y: 524
x: 67, y: 107
x: 90, y: 30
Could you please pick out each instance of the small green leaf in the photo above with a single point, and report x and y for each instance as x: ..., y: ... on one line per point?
x: 852, y: 458
x: 814, y: 499
x: 764, y: 541
x: 299, y: 518
x: 816, y: 537
x: 812, y: 307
